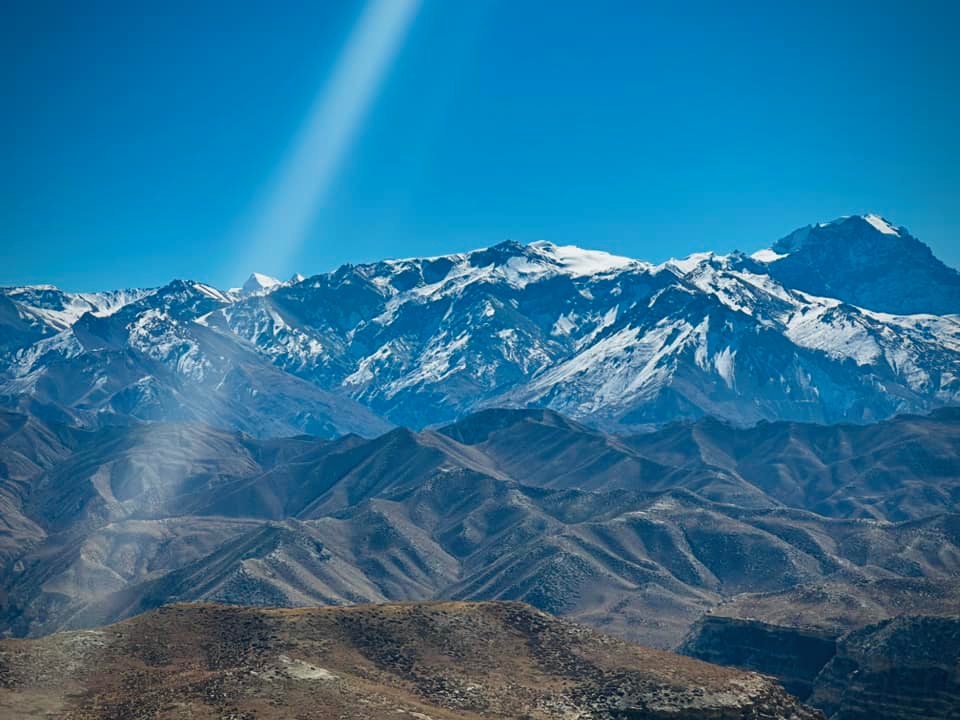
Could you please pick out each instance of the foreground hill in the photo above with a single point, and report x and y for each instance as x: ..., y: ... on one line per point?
x: 445, y: 661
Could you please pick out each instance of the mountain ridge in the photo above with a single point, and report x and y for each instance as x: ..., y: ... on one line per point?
x: 530, y: 506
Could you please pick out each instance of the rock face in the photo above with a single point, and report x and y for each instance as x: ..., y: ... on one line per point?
x: 826, y: 647
x: 907, y: 668
x: 867, y: 261
x: 794, y: 656
x: 445, y: 660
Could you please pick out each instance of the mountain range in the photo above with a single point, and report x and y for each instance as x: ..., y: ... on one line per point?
x: 641, y: 534
x: 753, y: 460
x: 761, y: 547
x: 814, y: 329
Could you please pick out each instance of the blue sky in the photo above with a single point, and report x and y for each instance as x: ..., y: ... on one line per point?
x: 147, y: 141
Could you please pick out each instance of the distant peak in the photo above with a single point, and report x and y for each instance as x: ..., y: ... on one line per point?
x: 841, y: 227
x: 877, y: 222
x: 258, y: 283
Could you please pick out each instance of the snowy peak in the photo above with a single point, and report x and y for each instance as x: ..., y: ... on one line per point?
x: 868, y: 261
x: 258, y: 283
x: 842, y: 229
x: 813, y: 328
x: 509, y: 264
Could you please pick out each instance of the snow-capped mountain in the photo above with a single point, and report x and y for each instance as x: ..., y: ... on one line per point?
x: 258, y: 283
x: 155, y: 359
x: 866, y: 261
x: 33, y: 312
x: 794, y: 332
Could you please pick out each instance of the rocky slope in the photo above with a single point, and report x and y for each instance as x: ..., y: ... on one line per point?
x: 905, y: 668
x: 446, y: 660
x: 855, y: 649
x: 807, y: 331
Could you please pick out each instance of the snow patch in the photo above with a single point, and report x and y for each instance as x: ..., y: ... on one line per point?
x: 563, y: 326
x: 724, y: 363
x: 578, y: 262
x: 767, y: 256
x: 880, y: 224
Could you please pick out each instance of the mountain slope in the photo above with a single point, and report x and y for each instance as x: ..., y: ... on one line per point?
x: 639, y: 534
x: 154, y: 359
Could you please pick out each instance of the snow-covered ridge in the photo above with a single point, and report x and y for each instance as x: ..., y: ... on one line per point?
x: 603, y: 338
x: 577, y: 261
x: 48, y: 306
x: 509, y: 264
x: 692, y: 261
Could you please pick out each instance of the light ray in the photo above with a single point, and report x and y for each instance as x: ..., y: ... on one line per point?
x: 280, y: 229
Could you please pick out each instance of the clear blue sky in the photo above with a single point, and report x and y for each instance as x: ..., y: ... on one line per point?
x: 142, y: 141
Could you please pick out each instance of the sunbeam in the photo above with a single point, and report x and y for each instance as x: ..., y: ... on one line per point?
x: 281, y: 226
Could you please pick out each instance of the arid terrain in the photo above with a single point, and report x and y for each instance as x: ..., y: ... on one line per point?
x: 753, y: 460
x: 438, y: 661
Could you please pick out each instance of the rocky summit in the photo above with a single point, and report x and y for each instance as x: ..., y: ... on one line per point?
x: 442, y: 661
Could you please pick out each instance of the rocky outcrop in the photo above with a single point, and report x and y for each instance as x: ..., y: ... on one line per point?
x: 907, y: 668
x: 902, y: 668
x: 794, y: 656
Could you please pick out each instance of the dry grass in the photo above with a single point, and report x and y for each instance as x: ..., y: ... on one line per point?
x: 455, y: 660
